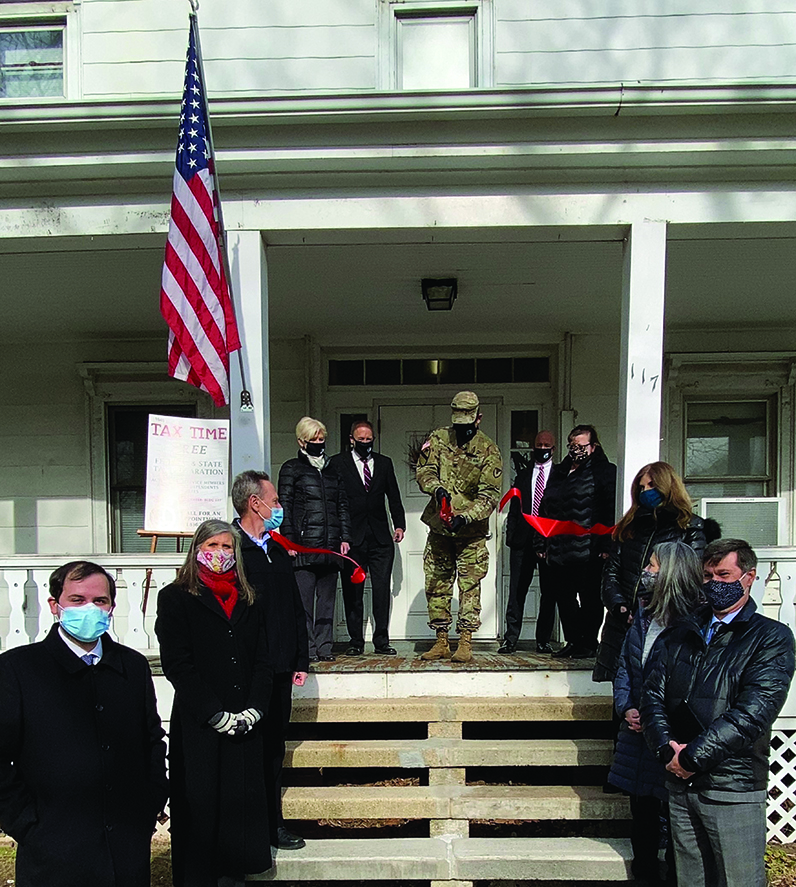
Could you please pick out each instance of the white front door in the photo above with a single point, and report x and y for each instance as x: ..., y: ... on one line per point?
x: 399, y: 427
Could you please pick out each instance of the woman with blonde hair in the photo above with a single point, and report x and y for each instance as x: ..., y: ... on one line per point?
x: 214, y: 652
x: 316, y: 516
x: 660, y: 511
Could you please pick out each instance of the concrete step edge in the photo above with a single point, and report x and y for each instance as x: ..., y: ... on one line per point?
x: 441, y: 753
x: 573, y: 859
x: 461, y: 708
x: 452, y: 802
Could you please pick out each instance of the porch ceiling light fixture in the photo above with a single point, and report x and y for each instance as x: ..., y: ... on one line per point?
x: 439, y: 294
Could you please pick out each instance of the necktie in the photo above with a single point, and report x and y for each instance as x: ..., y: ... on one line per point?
x: 711, y: 630
x: 88, y: 658
x: 538, y: 492
x: 366, y: 474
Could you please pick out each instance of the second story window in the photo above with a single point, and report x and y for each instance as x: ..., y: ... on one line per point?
x: 32, y: 61
x: 436, y: 51
x: 436, y: 44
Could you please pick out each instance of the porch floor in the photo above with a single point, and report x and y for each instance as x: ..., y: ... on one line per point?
x: 485, y: 658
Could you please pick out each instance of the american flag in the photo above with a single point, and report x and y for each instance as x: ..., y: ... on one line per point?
x: 194, y: 297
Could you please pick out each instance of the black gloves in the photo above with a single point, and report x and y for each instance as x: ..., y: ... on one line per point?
x: 622, y: 613
x: 441, y: 493
x: 457, y: 522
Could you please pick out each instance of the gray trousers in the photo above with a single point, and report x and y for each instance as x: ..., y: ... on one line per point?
x: 318, y: 589
x: 718, y: 843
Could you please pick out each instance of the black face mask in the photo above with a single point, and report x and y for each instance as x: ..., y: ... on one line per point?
x: 541, y: 456
x: 363, y: 450
x: 465, y: 433
x: 314, y: 448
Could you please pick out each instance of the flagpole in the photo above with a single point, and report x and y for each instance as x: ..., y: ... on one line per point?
x: 246, y: 404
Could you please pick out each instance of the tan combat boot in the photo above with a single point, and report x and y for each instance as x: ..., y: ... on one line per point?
x: 464, y: 652
x: 440, y: 650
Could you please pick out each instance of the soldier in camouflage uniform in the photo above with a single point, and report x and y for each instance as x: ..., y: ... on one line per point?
x: 461, y: 469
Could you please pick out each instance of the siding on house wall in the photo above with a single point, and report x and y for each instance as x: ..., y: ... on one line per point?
x: 45, y: 486
x: 137, y: 47
x: 595, y: 387
x: 663, y: 41
x: 289, y: 370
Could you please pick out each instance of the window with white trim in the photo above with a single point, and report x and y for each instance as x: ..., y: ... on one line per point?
x: 728, y: 448
x: 32, y: 60
x: 436, y: 44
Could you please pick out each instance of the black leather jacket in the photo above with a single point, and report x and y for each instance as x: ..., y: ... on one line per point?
x: 735, y: 687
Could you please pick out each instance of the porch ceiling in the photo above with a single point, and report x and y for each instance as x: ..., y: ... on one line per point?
x: 368, y: 293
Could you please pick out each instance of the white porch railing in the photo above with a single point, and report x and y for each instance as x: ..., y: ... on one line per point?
x: 24, y: 588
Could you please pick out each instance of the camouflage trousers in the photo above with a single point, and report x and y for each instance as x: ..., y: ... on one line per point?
x: 446, y: 557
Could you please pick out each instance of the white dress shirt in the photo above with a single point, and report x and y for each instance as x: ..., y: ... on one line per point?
x: 360, y: 466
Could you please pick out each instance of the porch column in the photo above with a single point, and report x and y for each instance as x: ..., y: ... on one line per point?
x: 251, y: 432
x: 641, y: 365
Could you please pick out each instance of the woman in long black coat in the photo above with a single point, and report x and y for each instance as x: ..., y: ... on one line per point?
x: 316, y: 516
x: 213, y: 651
x: 660, y: 511
x: 671, y: 589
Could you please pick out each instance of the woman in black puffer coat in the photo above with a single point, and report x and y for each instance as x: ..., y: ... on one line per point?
x: 661, y: 511
x: 316, y: 515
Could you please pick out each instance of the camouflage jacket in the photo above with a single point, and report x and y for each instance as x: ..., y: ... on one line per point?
x: 471, y: 474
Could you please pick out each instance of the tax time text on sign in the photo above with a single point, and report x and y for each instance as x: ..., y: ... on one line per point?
x: 187, y: 473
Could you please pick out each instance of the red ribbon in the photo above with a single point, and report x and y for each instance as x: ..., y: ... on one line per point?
x: 357, y: 577
x: 445, y: 511
x: 549, y: 527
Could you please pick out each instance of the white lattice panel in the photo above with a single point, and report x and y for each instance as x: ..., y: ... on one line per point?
x: 781, y: 807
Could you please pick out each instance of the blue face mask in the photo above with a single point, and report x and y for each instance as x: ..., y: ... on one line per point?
x: 650, y: 498
x: 85, y: 623
x: 274, y: 522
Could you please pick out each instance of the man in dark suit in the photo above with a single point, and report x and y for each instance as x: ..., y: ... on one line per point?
x: 368, y: 478
x: 523, y: 557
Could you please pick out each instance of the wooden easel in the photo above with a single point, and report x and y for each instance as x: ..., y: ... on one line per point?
x: 153, y: 547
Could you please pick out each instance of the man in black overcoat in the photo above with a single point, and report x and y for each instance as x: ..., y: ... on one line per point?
x: 269, y: 569
x: 82, y: 756
x: 369, y: 478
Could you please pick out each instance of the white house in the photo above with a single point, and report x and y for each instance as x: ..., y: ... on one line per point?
x: 612, y: 187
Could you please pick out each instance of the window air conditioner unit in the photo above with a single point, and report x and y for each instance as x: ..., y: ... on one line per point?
x: 760, y: 521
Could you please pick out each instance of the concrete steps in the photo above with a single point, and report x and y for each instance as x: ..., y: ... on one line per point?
x: 453, y: 802
x: 452, y: 709
x: 456, y: 860
x: 441, y: 753
x: 563, y: 731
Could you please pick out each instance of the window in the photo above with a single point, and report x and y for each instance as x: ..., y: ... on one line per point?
x: 436, y: 51
x: 442, y: 371
x: 32, y: 61
x: 435, y: 44
x: 728, y: 448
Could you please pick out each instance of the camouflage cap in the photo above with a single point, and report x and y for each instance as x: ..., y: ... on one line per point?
x: 465, y: 408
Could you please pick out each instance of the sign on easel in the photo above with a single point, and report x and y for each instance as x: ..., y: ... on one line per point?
x: 187, y: 473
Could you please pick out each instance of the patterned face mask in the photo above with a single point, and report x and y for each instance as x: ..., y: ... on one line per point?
x: 579, y: 452
x: 218, y: 561
x: 722, y: 595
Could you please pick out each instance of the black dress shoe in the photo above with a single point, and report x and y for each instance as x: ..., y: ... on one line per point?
x: 565, y: 652
x: 508, y: 647
x: 327, y: 658
x: 542, y: 647
x: 354, y: 650
x: 386, y: 650
x: 286, y: 840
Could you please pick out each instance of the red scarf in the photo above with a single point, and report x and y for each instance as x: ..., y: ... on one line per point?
x: 223, y: 585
